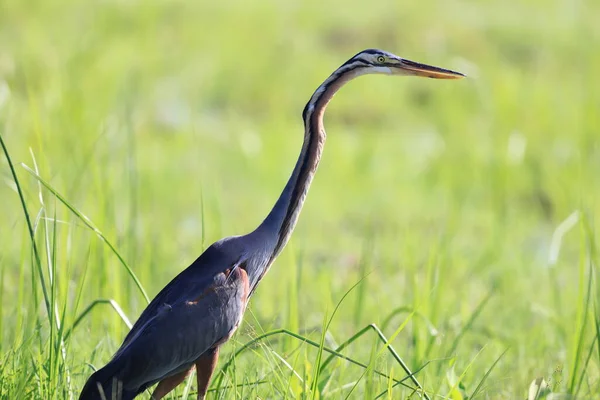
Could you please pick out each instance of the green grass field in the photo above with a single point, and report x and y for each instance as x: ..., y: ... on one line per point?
x: 457, y: 216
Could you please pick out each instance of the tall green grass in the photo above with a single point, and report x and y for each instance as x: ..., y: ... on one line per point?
x: 447, y: 249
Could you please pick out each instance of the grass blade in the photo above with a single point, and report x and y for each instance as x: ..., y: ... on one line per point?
x: 91, y: 226
x: 38, y: 262
x: 486, y: 375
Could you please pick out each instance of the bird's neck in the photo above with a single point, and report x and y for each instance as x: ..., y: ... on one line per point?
x: 282, y: 219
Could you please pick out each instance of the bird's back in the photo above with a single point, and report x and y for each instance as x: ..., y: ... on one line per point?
x: 197, y: 309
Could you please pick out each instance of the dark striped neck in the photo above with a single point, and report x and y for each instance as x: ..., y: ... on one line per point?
x: 281, y: 221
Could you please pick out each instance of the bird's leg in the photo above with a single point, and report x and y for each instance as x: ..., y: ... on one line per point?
x: 204, y: 368
x: 170, y: 383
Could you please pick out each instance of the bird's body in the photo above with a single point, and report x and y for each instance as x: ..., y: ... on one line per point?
x: 200, y: 309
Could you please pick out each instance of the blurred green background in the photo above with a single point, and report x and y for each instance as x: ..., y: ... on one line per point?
x: 170, y: 124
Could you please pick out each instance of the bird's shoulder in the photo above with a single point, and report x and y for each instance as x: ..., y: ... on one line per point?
x: 203, y: 273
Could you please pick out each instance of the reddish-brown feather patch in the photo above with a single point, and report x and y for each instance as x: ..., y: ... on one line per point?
x: 245, y: 285
x: 213, y: 288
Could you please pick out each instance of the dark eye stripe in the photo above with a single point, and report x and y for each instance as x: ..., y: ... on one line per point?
x: 371, y: 51
x: 358, y: 59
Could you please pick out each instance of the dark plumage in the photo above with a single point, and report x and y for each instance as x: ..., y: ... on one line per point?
x: 183, y: 327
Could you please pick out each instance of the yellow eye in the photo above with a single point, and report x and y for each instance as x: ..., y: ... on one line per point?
x: 381, y: 59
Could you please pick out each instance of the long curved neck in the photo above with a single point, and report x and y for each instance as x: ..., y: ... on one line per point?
x: 281, y: 221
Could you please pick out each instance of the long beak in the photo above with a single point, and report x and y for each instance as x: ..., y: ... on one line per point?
x: 407, y: 67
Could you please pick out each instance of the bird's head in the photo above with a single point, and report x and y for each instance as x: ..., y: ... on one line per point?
x: 370, y: 61
x: 374, y: 61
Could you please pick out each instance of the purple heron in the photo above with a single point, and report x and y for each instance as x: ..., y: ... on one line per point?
x: 200, y: 309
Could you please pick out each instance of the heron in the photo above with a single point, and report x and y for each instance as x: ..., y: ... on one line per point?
x: 184, y: 326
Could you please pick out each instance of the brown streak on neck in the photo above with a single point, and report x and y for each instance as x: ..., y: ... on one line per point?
x: 314, y: 140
